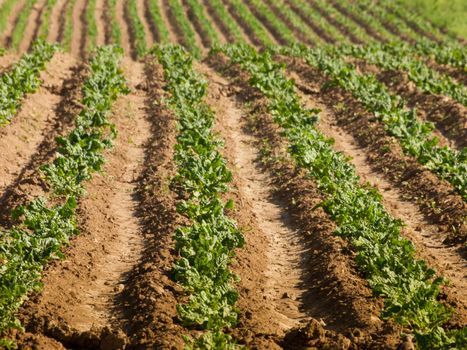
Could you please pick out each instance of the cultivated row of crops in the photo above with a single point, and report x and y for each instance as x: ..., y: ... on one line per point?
x: 47, y: 222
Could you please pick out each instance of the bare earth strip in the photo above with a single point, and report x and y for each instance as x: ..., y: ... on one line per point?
x: 78, y: 42
x: 19, y: 140
x: 33, y: 25
x: 57, y: 21
x: 124, y: 28
x: 100, y: 22
x: 80, y: 293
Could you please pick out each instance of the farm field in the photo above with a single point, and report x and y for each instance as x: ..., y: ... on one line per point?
x: 231, y: 174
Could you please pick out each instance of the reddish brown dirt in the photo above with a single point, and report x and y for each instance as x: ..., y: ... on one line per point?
x: 77, y: 305
x: 124, y: 28
x: 101, y: 23
x: 78, y: 41
x: 12, y: 20
x: 7, y: 61
x: 57, y: 21
x: 33, y: 25
x: 334, y: 293
x: 436, y: 197
x: 20, y: 140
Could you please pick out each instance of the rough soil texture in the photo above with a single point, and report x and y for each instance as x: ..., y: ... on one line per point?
x: 335, y: 295
x: 78, y: 41
x: 57, y: 21
x: 436, y: 198
x: 7, y: 61
x: 77, y: 305
x: 447, y: 261
x: 101, y: 22
x: 20, y: 140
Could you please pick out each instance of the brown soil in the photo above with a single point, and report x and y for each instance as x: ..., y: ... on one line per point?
x: 20, y: 141
x: 57, y: 21
x: 12, y: 20
x: 333, y: 293
x: 125, y: 28
x: 78, y: 41
x: 458, y: 74
x: 33, y: 25
x: 449, y: 116
x: 436, y: 198
x: 77, y: 305
x: 101, y: 23
x: 317, y: 29
x: 7, y: 61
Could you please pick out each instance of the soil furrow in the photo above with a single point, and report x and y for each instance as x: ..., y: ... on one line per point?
x: 142, y: 14
x: 154, y: 32
x: 57, y: 21
x: 125, y: 28
x: 316, y: 28
x: 78, y: 303
x: 449, y: 116
x: 12, y: 20
x: 358, y: 21
x: 333, y: 294
x: 7, y: 61
x: 101, y: 23
x: 436, y: 198
x: 22, y: 142
x: 78, y: 41
x: 426, y: 237
x: 34, y: 24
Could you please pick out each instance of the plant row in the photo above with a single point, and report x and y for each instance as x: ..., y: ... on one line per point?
x: 91, y: 24
x: 115, y: 32
x: 23, y: 78
x: 223, y: 14
x: 255, y: 26
x: 137, y: 28
x: 200, y: 16
x: 68, y: 31
x: 186, y: 29
x: 415, y: 136
x: 281, y: 28
x: 397, y: 57
x: 44, y: 228
x: 409, y: 288
x: 45, y: 19
x: 5, y: 10
x: 207, y: 244
x: 21, y: 22
x: 451, y: 54
x: 155, y: 12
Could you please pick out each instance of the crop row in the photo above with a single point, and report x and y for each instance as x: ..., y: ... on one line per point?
x: 44, y: 227
x: 186, y: 29
x: 206, y: 26
x: 91, y: 24
x: 207, y: 244
x: 454, y: 55
x: 223, y: 14
x: 23, y: 78
x: 397, y: 57
x: 115, y: 31
x: 409, y: 288
x: 45, y: 19
x: 155, y: 12
x: 139, y: 35
x: 416, y: 137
